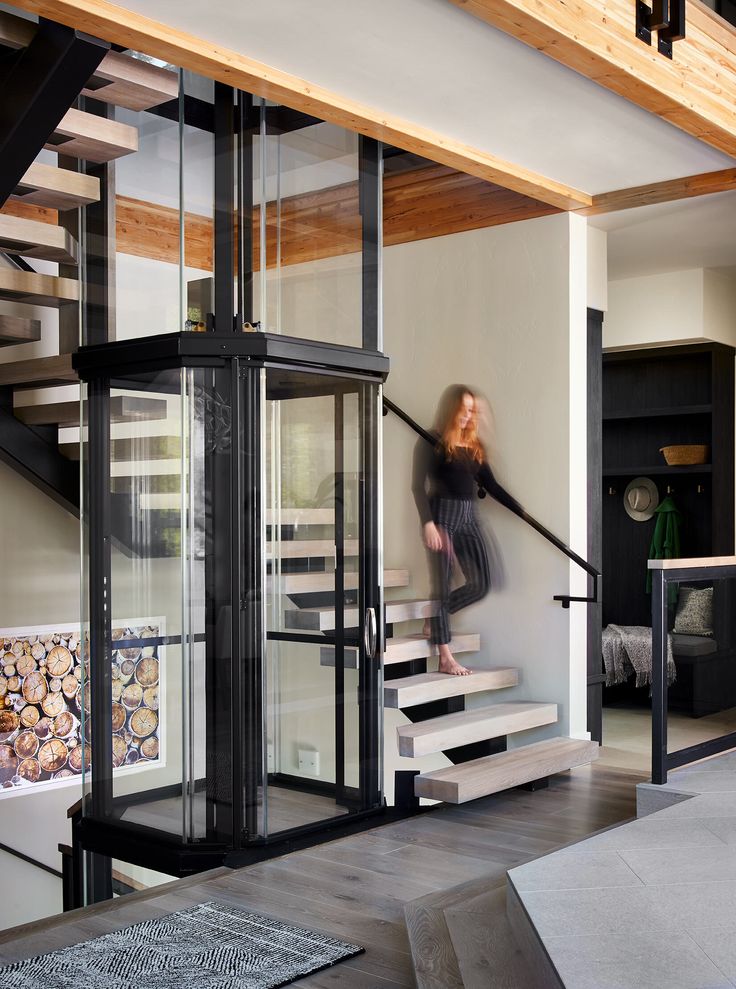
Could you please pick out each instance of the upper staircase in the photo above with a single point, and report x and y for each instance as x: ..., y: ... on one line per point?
x: 39, y: 224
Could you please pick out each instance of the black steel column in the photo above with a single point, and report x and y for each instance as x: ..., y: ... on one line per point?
x: 99, y: 868
x: 370, y: 182
x: 224, y: 209
x: 245, y: 208
x: 595, y: 676
x: 220, y: 549
x: 98, y: 318
x: 370, y: 597
x: 659, y: 677
x: 251, y: 654
x: 339, y: 506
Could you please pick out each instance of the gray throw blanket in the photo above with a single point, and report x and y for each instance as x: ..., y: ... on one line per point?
x: 629, y: 647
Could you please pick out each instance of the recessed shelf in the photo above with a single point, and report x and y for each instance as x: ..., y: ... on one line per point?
x: 675, y: 410
x: 659, y: 469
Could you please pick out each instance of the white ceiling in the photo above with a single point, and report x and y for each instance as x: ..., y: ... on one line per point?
x: 431, y: 63
x: 693, y: 233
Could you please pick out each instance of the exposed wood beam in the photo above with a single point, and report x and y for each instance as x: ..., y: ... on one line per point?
x: 119, y: 26
x: 662, y: 192
x: 695, y: 90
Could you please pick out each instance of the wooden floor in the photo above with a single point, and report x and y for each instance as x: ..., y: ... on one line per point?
x: 356, y: 888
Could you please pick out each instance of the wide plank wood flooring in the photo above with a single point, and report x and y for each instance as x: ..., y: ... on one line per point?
x: 356, y: 888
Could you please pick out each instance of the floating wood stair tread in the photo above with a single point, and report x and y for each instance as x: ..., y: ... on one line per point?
x: 37, y: 290
x: 494, y: 773
x: 56, y: 188
x: 476, y: 725
x: 123, y: 80
x: 34, y: 239
x: 426, y: 687
x: 307, y: 583
x: 16, y: 329
x: 295, y: 549
x: 38, y: 372
x: 406, y: 648
x: 132, y: 450
x: 123, y: 408
x: 322, y: 619
x: 85, y: 135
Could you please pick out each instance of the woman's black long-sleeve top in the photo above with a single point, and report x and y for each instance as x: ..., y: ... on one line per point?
x: 455, y: 478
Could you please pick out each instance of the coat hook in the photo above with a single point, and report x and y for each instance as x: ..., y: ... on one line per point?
x: 700, y: 489
x: 670, y: 490
x: 612, y: 491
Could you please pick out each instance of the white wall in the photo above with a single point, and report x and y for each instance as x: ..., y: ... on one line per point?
x: 677, y: 307
x: 499, y: 309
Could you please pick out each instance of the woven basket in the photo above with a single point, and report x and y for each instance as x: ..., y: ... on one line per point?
x: 684, y: 454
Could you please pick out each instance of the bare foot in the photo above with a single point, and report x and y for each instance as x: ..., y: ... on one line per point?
x: 449, y: 665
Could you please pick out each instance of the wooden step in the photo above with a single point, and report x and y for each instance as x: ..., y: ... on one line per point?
x: 38, y: 372
x: 494, y: 773
x: 16, y: 329
x: 306, y: 549
x: 37, y: 290
x: 425, y: 687
x: 56, y: 188
x: 132, y: 450
x: 85, y: 135
x: 323, y: 619
x: 406, y: 648
x: 33, y: 239
x: 123, y: 80
x: 306, y: 583
x: 476, y: 725
x: 123, y: 408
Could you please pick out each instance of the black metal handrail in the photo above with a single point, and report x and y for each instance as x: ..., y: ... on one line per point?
x: 565, y: 599
x: 31, y: 861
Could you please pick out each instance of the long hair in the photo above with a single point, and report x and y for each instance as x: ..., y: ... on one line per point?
x: 451, y: 436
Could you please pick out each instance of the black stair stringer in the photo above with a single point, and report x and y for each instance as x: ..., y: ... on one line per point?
x: 39, y: 84
x: 38, y: 461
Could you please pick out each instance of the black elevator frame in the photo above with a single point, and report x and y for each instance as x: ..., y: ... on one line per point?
x: 229, y: 355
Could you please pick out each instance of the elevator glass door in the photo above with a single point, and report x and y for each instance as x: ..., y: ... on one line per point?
x: 321, y: 655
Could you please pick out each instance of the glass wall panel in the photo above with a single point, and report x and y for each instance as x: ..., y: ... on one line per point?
x: 701, y: 693
x: 310, y: 228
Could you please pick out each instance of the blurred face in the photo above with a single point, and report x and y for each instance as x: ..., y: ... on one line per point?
x: 466, y: 412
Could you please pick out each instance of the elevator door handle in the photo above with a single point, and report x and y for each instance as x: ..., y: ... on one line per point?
x: 370, y: 633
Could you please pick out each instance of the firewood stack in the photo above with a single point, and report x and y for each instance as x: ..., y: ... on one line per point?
x: 45, y: 724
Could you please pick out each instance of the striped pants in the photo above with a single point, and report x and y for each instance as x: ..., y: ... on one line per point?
x: 468, y: 549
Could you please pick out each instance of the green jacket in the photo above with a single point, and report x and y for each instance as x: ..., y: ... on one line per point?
x: 665, y: 543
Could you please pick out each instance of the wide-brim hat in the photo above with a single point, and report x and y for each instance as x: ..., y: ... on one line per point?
x: 641, y: 498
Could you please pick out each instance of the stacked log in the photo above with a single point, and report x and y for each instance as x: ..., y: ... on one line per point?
x: 45, y: 698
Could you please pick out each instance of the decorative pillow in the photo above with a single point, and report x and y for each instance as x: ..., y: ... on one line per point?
x: 695, y: 611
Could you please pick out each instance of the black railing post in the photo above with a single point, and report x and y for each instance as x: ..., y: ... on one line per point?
x: 659, y: 677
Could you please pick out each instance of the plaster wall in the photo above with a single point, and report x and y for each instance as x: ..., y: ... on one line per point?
x: 673, y: 308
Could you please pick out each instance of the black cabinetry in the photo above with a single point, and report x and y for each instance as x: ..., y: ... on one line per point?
x: 655, y: 398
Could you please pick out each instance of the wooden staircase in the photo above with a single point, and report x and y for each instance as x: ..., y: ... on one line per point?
x: 434, y: 703
x: 35, y: 226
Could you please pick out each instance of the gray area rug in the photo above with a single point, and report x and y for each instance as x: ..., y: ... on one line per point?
x: 208, y: 946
